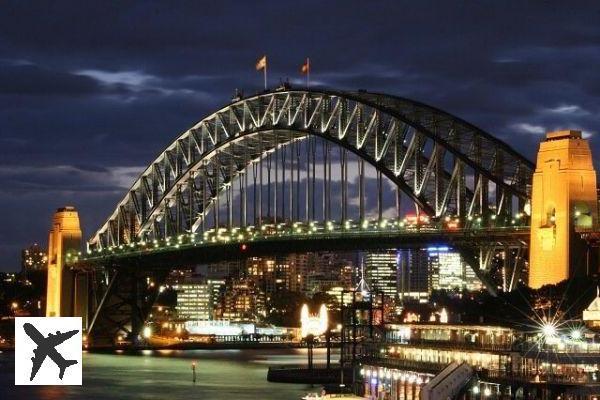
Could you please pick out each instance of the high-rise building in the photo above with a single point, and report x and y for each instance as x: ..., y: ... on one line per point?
x: 472, y: 281
x: 261, y: 271
x: 241, y: 301
x: 447, y: 271
x: 327, y: 270
x: 335, y: 266
x: 413, y: 275
x: 193, y: 301
x: 300, y: 269
x: 33, y: 258
x: 222, y: 270
x: 274, y: 274
x: 198, y: 298
x: 321, y: 283
x: 217, y: 292
x: 347, y: 275
x: 381, y: 271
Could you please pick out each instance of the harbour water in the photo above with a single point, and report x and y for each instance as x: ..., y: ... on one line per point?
x: 167, y: 374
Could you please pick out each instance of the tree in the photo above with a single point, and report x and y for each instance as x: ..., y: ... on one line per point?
x: 283, y: 308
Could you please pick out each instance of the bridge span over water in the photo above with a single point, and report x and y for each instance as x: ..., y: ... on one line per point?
x: 306, y: 170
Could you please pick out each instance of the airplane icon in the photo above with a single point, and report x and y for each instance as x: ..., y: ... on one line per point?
x: 46, y: 347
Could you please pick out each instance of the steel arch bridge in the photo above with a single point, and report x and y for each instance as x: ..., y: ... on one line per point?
x: 427, y: 153
x: 185, y: 204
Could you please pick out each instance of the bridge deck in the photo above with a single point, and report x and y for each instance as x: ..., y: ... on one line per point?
x: 249, y: 242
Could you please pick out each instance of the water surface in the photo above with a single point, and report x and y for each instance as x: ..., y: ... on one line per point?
x: 167, y: 374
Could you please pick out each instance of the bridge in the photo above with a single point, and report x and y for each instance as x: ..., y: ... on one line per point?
x: 305, y: 170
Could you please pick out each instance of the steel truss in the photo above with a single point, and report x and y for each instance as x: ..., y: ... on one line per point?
x: 443, y: 164
x: 127, y: 296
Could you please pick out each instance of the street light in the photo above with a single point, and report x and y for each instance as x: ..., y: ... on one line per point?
x: 147, y: 332
x: 549, y: 330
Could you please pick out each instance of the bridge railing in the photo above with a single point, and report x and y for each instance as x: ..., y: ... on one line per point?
x: 295, y: 230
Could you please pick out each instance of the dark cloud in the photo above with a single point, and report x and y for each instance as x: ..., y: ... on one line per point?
x: 28, y: 79
x: 91, y: 93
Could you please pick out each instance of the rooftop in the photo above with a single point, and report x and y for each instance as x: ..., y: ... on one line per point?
x: 567, y: 134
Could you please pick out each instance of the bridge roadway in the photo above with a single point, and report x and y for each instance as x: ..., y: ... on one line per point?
x: 270, y: 240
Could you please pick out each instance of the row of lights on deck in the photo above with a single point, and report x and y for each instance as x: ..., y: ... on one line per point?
x: 250, y: 233
x: 386, y: 374
x: 487, y: 391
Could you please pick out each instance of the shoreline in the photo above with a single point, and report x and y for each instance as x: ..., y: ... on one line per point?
x: 195, y: 346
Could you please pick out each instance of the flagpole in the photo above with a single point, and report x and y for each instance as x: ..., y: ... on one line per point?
x: 308, y: 73
x: 265, y: 70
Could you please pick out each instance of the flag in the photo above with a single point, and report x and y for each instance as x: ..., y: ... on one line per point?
x: 305, y: 69
x: 262, y: 63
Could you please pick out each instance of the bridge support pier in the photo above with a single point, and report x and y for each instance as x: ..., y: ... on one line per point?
x: 564, y: 198
x: 124, y: 305
x: 64, y: 238
x: 81, y: 298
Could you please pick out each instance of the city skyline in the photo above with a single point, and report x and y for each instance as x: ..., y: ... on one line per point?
x: 61, y: 79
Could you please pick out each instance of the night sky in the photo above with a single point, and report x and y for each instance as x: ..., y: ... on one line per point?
x: 91, y: 92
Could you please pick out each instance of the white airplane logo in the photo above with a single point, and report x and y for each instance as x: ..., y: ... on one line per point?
x: 47, y: 347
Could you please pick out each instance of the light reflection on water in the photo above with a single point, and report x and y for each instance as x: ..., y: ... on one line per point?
x: 167, y: 374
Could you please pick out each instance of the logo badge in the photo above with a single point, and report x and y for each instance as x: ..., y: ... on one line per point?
x: 48, y: 351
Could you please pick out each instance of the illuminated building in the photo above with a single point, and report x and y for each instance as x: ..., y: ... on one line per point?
x: 321, y: 283
x: 217, y: 291
x: 241, y: 301
x: 328, y: 270
x: 340, y: 294
x: 193, y: 301
x: 224, y: 269
x: 234, y: 330
x: 347, y: 275
x: 413, y: 274
x: 447, y: 271
x: 8, y: 277
x: 505, y: 362
x: 178, y: 276
x: 381, y: 271
x: 537, y: 360
x: 65, y: 236
x: 273, y: 274
x: 197, y: 299
x: 335, y: 266
x: 564, y: 198
x: 34, y: 258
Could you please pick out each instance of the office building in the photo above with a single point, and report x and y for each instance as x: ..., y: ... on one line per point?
x: 381, y: 271
x: 198, y: 298
x: 413, y: 275
x: 447, y: 271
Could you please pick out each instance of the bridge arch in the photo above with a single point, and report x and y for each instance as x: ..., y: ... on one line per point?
x: 441, y: 162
